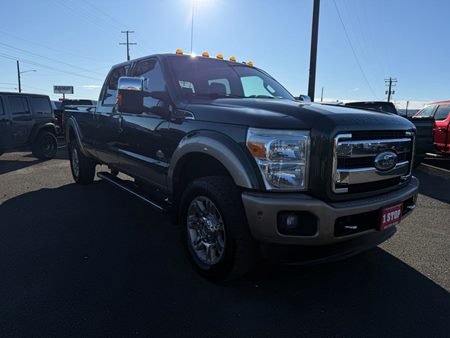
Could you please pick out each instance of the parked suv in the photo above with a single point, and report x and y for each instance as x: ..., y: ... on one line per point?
x: 244, y: 167
x: 27, y: 122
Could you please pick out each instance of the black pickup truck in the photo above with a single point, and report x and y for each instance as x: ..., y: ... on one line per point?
x: 244, y: 167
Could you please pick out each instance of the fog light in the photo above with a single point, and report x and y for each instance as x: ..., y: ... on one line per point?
x: 300, y: 223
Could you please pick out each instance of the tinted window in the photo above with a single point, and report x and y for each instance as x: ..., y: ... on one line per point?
x: 110, y: 92
x: 426, y: 112
x: 442, y: 112
x: 154, y: 81
x: 41, y: 105
x: 18, y: 105
x: 206, y: 78
x: 2, y: 111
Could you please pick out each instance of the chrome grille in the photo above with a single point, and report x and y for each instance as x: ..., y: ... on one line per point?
x: 354, y: 161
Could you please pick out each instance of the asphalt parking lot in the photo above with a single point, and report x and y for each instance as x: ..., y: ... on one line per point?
x: 94, y: 261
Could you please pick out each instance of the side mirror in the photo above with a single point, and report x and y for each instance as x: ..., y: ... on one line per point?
x: 304, y: 98
x: 130, y: 97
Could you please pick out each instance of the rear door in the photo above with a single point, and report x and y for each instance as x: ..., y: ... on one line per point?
x: 441, y: 127
x: 21, y: 119
x: 107, y: 127
x: 4, y: 127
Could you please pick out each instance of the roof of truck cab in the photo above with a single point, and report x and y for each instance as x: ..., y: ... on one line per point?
x: 165, y: 55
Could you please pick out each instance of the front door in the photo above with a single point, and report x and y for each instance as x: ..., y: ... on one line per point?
x: 143, y: 140
x: 441, y: 127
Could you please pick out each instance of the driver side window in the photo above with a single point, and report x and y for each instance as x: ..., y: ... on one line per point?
x: 110, y: 91
x: 154, y: 81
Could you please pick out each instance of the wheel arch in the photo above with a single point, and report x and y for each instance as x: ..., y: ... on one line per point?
x: 210, y: 153
x: 73, y: 133
x: 50, y: 127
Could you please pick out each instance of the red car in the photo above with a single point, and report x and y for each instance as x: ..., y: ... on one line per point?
x: 440, y: 112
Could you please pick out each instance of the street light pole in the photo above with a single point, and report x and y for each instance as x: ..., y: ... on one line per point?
x: 313, y: 56
x: 18, y: 76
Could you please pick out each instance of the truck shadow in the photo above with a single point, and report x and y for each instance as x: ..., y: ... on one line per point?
x: 16, y: 161
x: 99, y: 262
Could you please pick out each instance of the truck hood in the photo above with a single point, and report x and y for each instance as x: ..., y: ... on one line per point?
x: 287, y: 114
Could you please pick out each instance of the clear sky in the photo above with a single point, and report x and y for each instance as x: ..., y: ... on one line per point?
x: 76, y: 42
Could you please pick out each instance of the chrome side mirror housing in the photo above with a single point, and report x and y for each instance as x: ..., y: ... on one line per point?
x: 130, y: 96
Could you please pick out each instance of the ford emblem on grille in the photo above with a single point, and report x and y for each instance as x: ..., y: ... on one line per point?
x: 386, y: 160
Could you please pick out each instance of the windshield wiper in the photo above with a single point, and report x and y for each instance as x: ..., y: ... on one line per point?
x: 260, y: 97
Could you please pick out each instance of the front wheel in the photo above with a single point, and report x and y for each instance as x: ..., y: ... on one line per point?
x: 82, y: 167
x: 45, y: 146
x: 215, y: 230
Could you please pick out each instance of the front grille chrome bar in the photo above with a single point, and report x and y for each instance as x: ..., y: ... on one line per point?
x: 365, y: 175
x: 346, y: 150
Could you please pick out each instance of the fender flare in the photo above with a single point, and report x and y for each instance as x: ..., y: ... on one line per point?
x: 38, y: 128
x: 72, y: 124
x: 223, y: 149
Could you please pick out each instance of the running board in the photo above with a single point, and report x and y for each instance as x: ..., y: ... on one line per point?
x: 129, y: 187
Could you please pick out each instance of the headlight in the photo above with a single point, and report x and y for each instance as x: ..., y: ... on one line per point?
x: 282, y: 157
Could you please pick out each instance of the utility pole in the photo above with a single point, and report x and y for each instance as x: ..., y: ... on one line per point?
x: 313, y: 56
x: 407, y: 105
x: 390, y: 83
x: 128, y: 43
x: 18, y: 76
x: 321, y: 96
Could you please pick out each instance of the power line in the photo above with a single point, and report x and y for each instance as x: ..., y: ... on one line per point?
x: 63, y: 51
x: 48, y: 58
x: 128, y: 43
x: 353, y: 50
x: 11, y: 57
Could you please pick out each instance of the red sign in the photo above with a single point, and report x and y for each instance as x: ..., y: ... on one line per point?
x: 391, y: 216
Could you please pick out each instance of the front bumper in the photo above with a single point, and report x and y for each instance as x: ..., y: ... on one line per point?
x: 262, y: 211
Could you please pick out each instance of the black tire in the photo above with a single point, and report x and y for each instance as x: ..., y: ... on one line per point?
x: 45, y: 146
x: 82, y: 167
x: 239, y: 254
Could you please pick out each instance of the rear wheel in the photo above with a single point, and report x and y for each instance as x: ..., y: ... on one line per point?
x: 215, y: 230
x: 45, y: 146
x: 82, y: 167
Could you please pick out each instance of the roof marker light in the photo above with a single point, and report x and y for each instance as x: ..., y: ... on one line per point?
x: 250, y: 63
x: 179, y: 52
x: 220, y: 56
x: 205, y: 54
x: 233, y: 59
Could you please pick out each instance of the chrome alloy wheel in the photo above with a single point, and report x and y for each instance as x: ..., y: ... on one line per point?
x: 206, y: 231
x: 75, y: 162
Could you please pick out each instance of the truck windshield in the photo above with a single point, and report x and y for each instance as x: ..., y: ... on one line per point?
x: 199, y: 77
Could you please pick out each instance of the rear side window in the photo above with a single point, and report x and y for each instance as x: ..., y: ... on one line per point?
x: 442, y: 112
x: 2, y: 111
x: 41, y: 106
x: 110, y: 91
x: 426, y: 112
x: 18, y: 105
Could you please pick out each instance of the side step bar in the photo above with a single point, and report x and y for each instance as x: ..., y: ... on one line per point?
x: 129, y: 187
